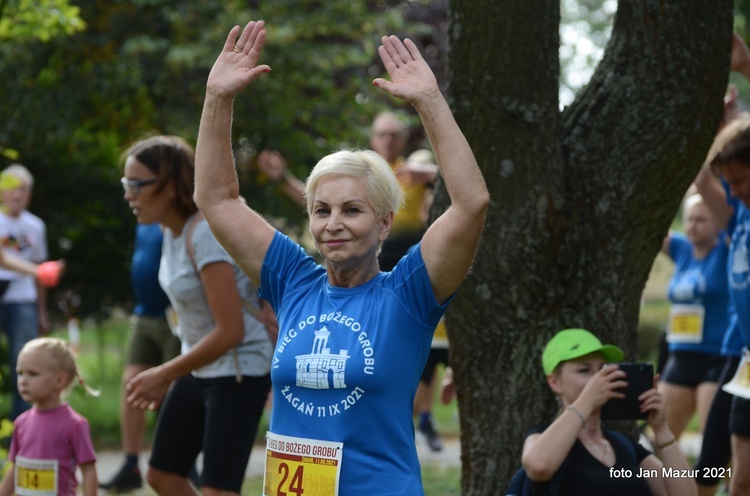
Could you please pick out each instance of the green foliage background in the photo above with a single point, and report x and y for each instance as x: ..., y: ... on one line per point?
x: 71, y: 105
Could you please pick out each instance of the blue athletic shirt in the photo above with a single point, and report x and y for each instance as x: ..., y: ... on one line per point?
x: 348, y: 361
x: 732, y: 344
x: 701, y: 282
x: 150, y: 299
x: 739, y: 265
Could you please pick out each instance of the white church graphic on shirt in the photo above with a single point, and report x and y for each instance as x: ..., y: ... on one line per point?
x: 321, y: 369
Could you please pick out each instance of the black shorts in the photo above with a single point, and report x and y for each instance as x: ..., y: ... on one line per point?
x: 689, y: 368
x: 436, y: 356
x: 217, y: 416
x: 739, y: 418
x: 716, y: 449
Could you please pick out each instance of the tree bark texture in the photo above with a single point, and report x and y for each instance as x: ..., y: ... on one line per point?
x: 581, y: 198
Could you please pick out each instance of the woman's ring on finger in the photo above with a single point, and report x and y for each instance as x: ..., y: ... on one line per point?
x: 237, y: 49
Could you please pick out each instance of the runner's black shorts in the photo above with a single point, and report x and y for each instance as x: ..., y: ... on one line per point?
x: 218, y: 416
x: 690, y: 368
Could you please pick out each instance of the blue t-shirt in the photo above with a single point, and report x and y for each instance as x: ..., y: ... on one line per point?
x: 733, y: 343
x: 701, y: 282
x: 150, y: 299
x: 348, y: 361
x: 739, y: 266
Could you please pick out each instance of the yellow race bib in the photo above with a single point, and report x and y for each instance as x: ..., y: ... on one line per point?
x: 686, y: 323
x: 298, y: 466
x: 36, y: 477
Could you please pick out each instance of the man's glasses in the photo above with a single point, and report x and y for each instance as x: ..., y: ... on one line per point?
x: 133, y: 187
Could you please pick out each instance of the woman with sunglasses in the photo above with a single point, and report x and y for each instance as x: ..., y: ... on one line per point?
x: 221, y: 379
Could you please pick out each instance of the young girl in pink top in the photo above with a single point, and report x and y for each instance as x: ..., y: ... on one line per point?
x: 50, y: 440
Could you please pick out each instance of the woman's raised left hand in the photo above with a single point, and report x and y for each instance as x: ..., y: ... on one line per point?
x: 412, y: 79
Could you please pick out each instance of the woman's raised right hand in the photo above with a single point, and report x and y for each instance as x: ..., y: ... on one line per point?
x: 237, y: 64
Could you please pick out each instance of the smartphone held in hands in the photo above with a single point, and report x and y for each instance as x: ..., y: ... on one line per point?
x: 640, y: 378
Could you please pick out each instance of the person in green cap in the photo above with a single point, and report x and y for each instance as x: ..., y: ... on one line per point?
x: 574, y: 454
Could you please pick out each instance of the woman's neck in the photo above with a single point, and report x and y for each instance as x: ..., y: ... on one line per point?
x: 701, y: 251
x: 175, y: 223
x: 592, y: 428
x: 346, y: 277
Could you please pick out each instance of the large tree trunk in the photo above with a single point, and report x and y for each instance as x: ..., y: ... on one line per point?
x: 581, y: 198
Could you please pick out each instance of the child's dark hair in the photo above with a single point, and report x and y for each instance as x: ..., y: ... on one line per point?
x: 61, y: 357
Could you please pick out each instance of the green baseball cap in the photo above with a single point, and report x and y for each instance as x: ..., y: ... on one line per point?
x: 573, y: 343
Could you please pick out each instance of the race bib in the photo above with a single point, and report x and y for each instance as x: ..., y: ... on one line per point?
x: 36, y: 477
x: 686, y: 323
x: 740, y: 383
x: 299, y: 466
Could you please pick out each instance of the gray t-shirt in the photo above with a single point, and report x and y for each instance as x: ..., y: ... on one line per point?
x: 182, y: 284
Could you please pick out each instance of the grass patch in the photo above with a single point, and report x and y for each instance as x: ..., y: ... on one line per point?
x: 437, y: 481
x: 441, y: 481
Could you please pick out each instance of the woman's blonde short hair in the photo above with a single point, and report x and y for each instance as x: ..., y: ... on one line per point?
x: 383, y: 191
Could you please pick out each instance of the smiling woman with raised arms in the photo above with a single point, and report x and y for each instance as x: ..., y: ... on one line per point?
x: 353, y: 340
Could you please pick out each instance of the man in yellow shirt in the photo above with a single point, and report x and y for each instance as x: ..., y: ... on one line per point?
x: 416, y: 178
